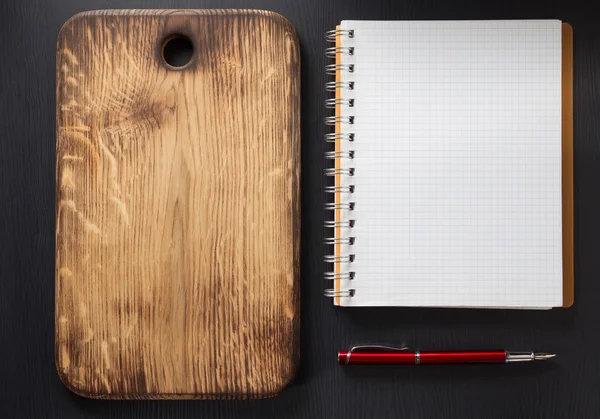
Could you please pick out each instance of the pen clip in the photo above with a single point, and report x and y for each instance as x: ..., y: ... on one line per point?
x: 383, y: 348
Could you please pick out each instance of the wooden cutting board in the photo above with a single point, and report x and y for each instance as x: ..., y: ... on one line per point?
x: 178, y: 205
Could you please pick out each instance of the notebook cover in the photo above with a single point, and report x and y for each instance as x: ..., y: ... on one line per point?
x: 178, y: 211
x: 567, y: 167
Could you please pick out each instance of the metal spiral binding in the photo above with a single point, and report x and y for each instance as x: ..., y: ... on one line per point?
x: 332, y: 155
x: 336, y: 171
x: 340, y: 240
x: 331, y: 52
x: 333, y: 102
x: 341, y: 293
x: 339, y: 189
x: 332, y: 86
x: 331, y: 171
x: 339, y: 275
x: 332, y: 206
x: 339, y: 259
x: 334, y: 120
x: 331, y: 69
x: 335, y: 224
x: 332, y: 35
x: 333, y: 137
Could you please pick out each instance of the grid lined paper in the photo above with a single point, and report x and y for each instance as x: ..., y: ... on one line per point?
x: 457, y: 163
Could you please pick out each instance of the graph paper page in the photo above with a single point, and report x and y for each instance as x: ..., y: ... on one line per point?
x: 457, y: 163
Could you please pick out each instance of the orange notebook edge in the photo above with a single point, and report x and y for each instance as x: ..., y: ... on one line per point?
x: 568, y: 202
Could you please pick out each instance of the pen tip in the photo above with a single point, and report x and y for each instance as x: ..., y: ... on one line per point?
x: 544, y: 356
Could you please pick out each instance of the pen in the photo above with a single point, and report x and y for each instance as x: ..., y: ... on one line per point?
x: 388, y: 355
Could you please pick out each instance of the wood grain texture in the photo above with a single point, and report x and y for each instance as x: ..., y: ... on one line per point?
x: 178, y: 213
x: 568, y: 388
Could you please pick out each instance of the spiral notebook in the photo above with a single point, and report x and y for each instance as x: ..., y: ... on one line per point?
x: 451, y: 164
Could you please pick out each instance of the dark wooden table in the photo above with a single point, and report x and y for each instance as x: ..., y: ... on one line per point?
x: 567, y: 388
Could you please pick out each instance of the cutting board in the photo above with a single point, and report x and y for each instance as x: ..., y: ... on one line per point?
x: 178, y: 204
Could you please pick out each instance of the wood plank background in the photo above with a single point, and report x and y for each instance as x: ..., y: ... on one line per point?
x: 568, y: 388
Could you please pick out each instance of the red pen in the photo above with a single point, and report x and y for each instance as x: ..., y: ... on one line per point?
x: 388, y: 355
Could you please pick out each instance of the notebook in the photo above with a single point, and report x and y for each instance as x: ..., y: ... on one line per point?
x: 451, y: 164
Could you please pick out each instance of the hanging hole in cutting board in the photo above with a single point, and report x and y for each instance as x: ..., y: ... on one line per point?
x: 177, y: 51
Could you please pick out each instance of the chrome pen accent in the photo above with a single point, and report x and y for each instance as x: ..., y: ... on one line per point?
x: 527, y: 356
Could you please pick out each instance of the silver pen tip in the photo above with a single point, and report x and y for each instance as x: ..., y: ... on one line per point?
x: 543, y: 356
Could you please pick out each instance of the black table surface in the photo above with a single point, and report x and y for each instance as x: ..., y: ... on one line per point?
x: 566, y: 388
